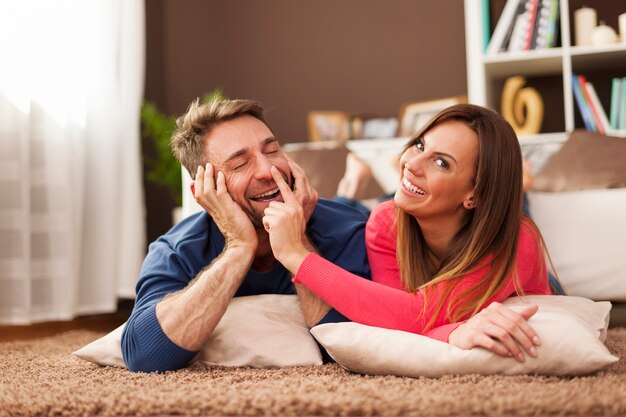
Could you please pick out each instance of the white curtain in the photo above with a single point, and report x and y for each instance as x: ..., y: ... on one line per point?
x: 72, y: 221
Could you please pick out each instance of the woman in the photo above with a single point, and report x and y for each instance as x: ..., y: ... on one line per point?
x: 456, y: 221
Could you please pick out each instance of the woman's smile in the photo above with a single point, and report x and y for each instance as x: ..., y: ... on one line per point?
x: 412, y: 188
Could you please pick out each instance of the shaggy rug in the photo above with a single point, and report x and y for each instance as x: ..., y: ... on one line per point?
x: 41, y: 378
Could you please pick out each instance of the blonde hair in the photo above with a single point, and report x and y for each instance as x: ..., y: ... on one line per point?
x: 492, y: 228
x: 187, y: 141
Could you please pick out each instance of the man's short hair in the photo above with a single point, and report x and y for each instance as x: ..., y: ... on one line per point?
x: 187, y: 141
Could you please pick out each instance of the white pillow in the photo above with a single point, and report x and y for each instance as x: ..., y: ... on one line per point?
x: 261, y: 331
x: 585, y: 233
x: 569, y: 327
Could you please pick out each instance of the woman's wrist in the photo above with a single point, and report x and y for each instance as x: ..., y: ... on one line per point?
x: 453, y: 337
x: 294, y: 259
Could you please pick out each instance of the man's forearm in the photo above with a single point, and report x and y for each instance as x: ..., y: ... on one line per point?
x: 189, y: 317
x: 313, y: 307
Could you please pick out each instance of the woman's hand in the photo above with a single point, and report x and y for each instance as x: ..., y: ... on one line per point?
x: 285, y: 223
x: 305, y: 194
x: 213, y: 196
x: 500, y: 330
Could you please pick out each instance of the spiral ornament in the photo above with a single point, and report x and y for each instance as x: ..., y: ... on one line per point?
x: 522, y: 106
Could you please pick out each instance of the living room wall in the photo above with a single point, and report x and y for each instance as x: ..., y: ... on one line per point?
x: 362, y: 56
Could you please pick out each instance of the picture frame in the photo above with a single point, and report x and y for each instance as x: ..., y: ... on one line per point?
x: 413, y: 116
x: 329, y: 126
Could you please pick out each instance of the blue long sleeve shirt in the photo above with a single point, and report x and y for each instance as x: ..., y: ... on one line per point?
x: 174, y: 259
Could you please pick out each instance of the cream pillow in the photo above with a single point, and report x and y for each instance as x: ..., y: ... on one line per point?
x: 585, y: 233
x: 571, y: 329
x: 586, y: 161
x: 261, y: 331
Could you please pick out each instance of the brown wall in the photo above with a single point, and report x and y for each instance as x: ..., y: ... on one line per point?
x: 362, y: 56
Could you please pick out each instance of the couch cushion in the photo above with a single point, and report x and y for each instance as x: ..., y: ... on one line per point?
x: 586, y: 161
x: 585, y: 233
x: 325, y: 165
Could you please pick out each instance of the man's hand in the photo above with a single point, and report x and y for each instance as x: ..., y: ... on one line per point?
x: 213, y: 196
x: 500, y: 330
x: 305, y: 194
x: 286, y: 225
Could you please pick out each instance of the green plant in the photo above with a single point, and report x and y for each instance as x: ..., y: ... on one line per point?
x: 162, y: 168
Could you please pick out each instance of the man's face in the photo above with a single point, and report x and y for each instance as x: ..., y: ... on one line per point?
x: 244, y: 149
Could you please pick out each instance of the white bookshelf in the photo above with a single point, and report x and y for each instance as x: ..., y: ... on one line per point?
x: 485, y: 73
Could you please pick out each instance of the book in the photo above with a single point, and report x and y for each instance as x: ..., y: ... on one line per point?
x: 523, y: 30
x: 585, y: 112
x: 509, y: 34
x: 594, y: 111
x: 616, y: 86
x: 553, y: 25
x: 622, y: 112
x: 597, y: 105
x: 486, y: 23
x: 531, y: 8
x: 540, y: 34
x: 517, y: 36
x: 504, y: 27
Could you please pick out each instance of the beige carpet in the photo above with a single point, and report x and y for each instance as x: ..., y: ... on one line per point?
x: 40, y: 377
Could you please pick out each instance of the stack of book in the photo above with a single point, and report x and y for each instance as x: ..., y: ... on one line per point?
x: 593, y: 114
x: 525, y: 25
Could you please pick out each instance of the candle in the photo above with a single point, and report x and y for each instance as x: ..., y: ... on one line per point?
x: 603, y: 35
x: 622, y: 26
x: 585, y: 19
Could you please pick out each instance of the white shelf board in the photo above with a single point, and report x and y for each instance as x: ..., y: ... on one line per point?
x: 594, y: 57
x: 591, y: 50
x: 530, y: 55
x: 617, y: 132
x: 540, y: 62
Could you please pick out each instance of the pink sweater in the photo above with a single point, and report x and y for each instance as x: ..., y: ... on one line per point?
x: 383, y: 302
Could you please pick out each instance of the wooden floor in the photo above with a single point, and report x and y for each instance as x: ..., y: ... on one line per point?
x: 100, y: 323
x: 618, y: 315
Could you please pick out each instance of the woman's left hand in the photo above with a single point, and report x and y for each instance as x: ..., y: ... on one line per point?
x: 500, y: 330
x: 285, y: 223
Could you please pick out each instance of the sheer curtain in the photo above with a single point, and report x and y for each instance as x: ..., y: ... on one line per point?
x: 72, y: 223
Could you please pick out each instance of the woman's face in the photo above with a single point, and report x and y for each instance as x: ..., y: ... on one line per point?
x: 438, y: 172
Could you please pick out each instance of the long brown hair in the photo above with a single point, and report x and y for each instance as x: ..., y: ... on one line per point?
x: 491, y: 228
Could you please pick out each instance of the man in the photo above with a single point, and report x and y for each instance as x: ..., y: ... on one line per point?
x: 192, y: 272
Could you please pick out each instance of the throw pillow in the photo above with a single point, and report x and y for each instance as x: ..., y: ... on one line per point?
x: 586, y: 161
x: 324, y: 164
x: 571, y: 329
x: 261, y: 331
